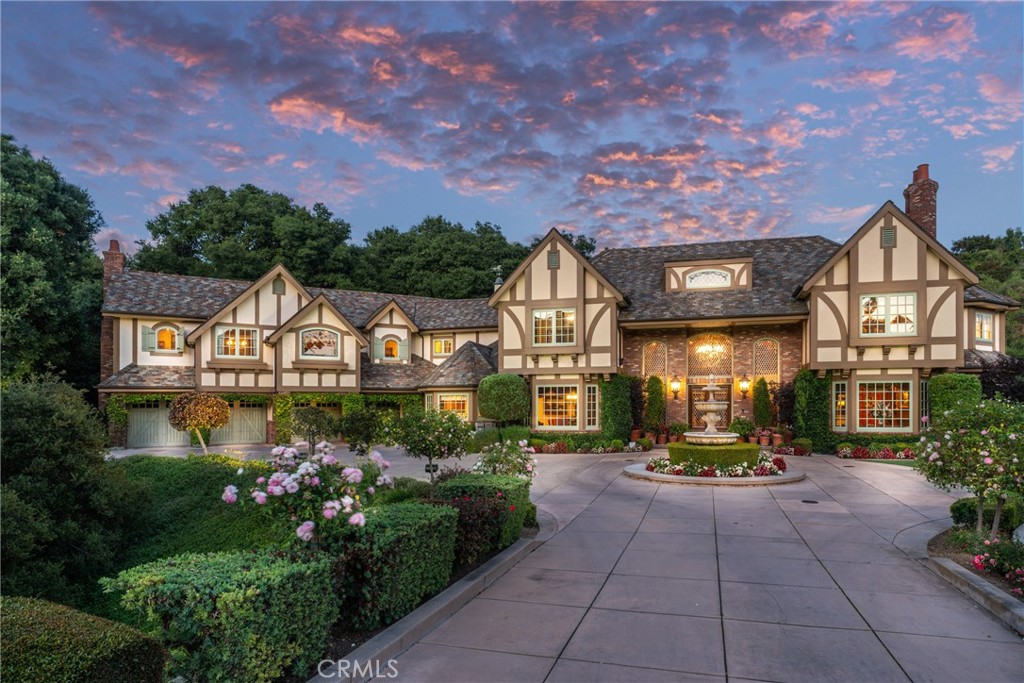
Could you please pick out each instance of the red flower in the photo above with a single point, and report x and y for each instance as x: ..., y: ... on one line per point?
x: 511, y: 508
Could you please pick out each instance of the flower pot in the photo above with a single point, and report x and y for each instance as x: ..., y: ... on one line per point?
x: 740, y: 439
x: 662, y: 438
x: 776, y: 439
x: 635, y: 434
x: 751, y: 438
x: 763, y: 440
x: 673, y: 438
x: 649, y: 435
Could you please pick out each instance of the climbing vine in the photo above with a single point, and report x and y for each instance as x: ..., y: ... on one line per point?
x: 118, y: 404
x: 284, y: 406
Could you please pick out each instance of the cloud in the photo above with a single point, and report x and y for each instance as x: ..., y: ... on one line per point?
x: 858, y: 79
x: 938, y: 32
x: 839, y: 215
x: 1000, y: 159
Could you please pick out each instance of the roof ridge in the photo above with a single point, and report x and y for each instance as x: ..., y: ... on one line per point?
x: 720, y: 242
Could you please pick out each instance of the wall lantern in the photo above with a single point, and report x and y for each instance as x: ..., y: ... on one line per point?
x: 675, y: 385
x: 744, y: 385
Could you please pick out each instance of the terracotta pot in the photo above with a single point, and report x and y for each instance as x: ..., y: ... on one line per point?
x: 672, y: 438
x: 763, y: 440
x: 740, y: 439
x: 662, y: 438
x: 751, y: 438
x: 635, y: 434
x: 649, y: 435
x: 776, y: 439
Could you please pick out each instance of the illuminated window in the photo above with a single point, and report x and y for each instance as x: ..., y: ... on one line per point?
x: 390, y: 348
x: 888, y: 315
x: 883, y: 406
x: 839, y: 406
x: 443, y: 346
x: 237, y: 342
x: 320, y: 344
x: 554, y: 327
x: 983, y: 323
x: 557, y: 407
x: 708, y: 279
x: 454, y: 403
x: 926, y: 399
x: 166, y: 339
x: 592, y: 413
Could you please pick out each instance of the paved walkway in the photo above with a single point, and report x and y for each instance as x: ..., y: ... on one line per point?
x: 814, y: 581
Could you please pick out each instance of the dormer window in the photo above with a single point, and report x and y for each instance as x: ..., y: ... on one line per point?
x: 983, y: 324
x: 320, y: 344
x: 163, y: 338
x: 390, y: 348
x: 166, y: 339
x: 237, y: 342
x: 708, y: 278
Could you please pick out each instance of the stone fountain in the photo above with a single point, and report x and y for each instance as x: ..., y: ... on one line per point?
x: 712, y: 408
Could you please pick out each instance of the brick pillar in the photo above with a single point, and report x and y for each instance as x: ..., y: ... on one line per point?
x: 920, y: 197
x: 113, y: 264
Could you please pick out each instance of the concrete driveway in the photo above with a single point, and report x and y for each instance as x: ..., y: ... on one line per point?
x: 813, y: 581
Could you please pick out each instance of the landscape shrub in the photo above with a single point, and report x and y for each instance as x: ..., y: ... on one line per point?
x: 555, y: 447
x: 362, y: 428
x: 479, y: 524
x: 616, y: 445
x: 763, y: 413
x: 616, y: 408
x: 965, y: 513
x: 314, y: 425
x: 66, y: 517
x: 513, y: 490
x: 811, y: 419
x: 530, y: 518
x: 731, y: 454
x: 644, y: 443
x: 783, y: 401
x: 44, y: 641
x: 879, y: 441
x: 804, y: 444
x: 244, y: 616
x: 198, y: 412
x: 404, y: 489
x: 489, y: 435
x: 741, y: 426
x: 945, y: 391
x: 403, y: 554
x: 504, y: 398
x: 508, y: 457
x: 654, y: 406
x: 434, y: 435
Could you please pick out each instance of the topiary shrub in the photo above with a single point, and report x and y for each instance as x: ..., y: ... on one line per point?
x: 504, y: 398
x: 515, y: 491
x: 811, y: 410
x: 434, y: 435
x: 246, y: 616
x: 763, y: 414
x: 946, y: 390
x: 732, y: 454
x: 654, y: 408
x: 403, y: 555
x: 44, y: 641
x: 616, y: 408
x: 197, y: 412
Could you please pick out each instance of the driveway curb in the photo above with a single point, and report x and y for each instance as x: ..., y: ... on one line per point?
x: 980, y: 591
x: 373, y: 655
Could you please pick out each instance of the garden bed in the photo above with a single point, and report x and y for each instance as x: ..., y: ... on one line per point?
x: 940, y: 546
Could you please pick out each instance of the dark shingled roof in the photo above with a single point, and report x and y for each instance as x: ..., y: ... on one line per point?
x: 979, y: 360
x: 466, y: 367
x: 780, y: 267
x: 394, y: 376
x: 976, y: 294
x: 135, y: 376
x: 187, y: 296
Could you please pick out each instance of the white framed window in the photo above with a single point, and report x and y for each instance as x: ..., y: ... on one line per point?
x: 237, y: 342
x: 839, y: 407
x: 888, y: 315
x: 708, y: 278
x: 443, y: 346
x: 557, y: 407
x: 320, y: 344
x: 554, y: 327
x: 884, y: 407
x: 983, y: 325
x: 592, y: 413
x: 454, y: 403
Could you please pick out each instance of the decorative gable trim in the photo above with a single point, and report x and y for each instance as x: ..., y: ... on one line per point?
x: 278, y: 270
x: 320, y: 300
x: 944, y: 254
x: 390, y: 306
x: 553, y: 236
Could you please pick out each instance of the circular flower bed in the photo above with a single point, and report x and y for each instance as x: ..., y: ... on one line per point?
x: 767, y: 465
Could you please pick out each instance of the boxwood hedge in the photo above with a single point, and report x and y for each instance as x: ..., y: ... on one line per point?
x: 731, y: 454
x: 514, y: 490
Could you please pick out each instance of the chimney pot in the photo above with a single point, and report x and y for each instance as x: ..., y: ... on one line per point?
x: 920, y: 198
x: 115, y: 246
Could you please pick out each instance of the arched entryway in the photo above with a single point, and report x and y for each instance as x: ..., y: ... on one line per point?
x: 708, y: 355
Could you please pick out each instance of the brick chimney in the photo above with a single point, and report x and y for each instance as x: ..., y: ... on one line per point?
x: 113, y: 263
x: 920, y: 197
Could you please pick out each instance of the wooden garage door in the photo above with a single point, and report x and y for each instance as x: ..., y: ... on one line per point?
x: 148, y: 427
x: 248, y: 425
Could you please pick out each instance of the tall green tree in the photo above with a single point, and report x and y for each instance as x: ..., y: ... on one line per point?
x: 437, y: 258
x: 243, y: 233
x: 999, y: 262
x: 50, y: 276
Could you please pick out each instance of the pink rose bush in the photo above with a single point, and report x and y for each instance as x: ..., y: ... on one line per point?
x: 507, y: 457
x: 315, y: 491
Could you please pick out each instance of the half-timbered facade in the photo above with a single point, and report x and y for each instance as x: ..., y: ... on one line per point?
x: 880, y: 314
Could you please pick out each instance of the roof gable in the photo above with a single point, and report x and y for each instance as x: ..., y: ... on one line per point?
x: 279, y: 269
x: 466, y: 367
x: 889, y: 208
x: 554, y: 235
x: 321, y: 299
x: 392, y: 306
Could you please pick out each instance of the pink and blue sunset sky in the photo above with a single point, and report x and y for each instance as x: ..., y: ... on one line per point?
x: 641, y: 123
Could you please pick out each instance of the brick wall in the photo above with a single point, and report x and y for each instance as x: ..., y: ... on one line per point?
x: 743, y: 338
x: 113, y: 263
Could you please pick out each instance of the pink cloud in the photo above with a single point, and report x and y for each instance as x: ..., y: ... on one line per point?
x: 936, y: 33
x: 1000, y: 159
x: 858, y: 79
x: 833, y: 215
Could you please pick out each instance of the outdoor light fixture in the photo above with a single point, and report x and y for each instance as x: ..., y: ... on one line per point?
x: 675, y: 385
x: 744, y: 385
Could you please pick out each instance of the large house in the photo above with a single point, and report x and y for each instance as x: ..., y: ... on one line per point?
x: 883, y: 312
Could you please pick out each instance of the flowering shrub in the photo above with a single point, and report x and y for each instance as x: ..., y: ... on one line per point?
x: 434, y: 435
x: 507, y: 458
x: 798, y: 451
x: 883, y: 453
x: 1003, y: 557
x: 767, y: 465
x: 198, y: 411
x: 309, y: 493
x: 555, y: 447
x: 514, y: 491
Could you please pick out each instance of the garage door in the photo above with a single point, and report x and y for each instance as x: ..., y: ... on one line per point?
x: 148, y: 427
x: 248, y: 425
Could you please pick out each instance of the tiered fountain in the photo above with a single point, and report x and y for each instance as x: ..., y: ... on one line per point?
x: 712, y: 408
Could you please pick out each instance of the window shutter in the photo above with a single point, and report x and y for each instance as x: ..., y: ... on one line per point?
x: 148, y: 339
x: 180, y: 336
x: 888, y: 237
x: 378, y: 348
x: 403, y: 349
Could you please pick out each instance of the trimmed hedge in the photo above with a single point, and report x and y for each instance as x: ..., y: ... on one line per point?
x: 403, y: 555
x: 616, y: 408
x: 514, y: 490
x: 44, y: 641
x: 946, y: 390
x: 244, y: 616
x: 878, y: 441
x: 965, y: 513
x: 478, y: 527
x: 731, y: 454
x: 489, y: 435
x: 804, y: 444
x: 811, y: 410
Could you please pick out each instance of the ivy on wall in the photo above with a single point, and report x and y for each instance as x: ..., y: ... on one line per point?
x: 284, y: 405
x: 118, y: 404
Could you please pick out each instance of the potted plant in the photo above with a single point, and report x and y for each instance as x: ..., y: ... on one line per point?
x: 662, y: 434
x: 764, y: 436
x: 676, y: 431
x: 635, y: 433
x: 744, y: 428
x: 776, y: 438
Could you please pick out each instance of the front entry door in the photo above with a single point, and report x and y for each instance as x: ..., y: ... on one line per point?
x: 695, y: 392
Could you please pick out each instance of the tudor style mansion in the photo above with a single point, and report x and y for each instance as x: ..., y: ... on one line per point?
x: 883, y: 312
